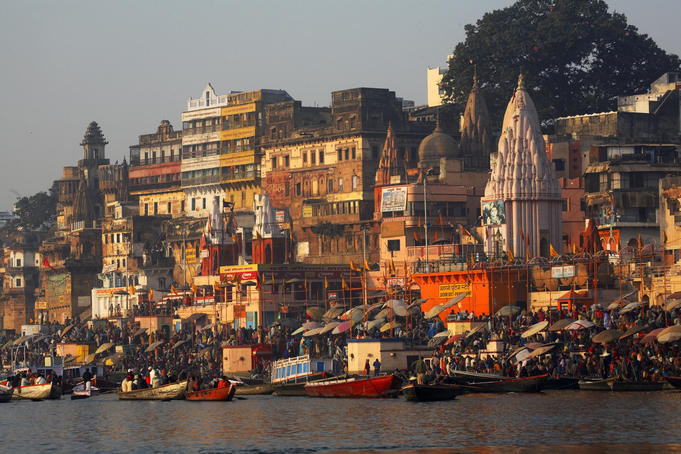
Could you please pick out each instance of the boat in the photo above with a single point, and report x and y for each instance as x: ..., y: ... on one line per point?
x: 464, y: 377
x: 561, y: 382
x: 34, y: 392
x: 5, y: 393
x: 596, y: 384
x: 674, y: 381
x: 622, y: 385
x: 430, y: 393
x: 225, y: 393
x: 82, y: 392
x: 250, y: 390
x: 290, y: 375
x: 354, y: 386
x: 532, y: 384
x: 170, y: 391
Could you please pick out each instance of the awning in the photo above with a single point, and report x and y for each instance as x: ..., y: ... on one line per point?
x: 139, y: 332
x: 192, y: 318
x: 153, y: 346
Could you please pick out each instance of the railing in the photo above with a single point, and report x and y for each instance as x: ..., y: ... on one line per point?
x: 199, y: 153
x: 239, y: 176
x: 200, y: 130
x: 201, y: 102
x: 156, y: 160
x: 201, y: 180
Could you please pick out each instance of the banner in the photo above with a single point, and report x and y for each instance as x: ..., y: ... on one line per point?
x: 394, y: 199
x: 451, y: 290
x: 493, y: 212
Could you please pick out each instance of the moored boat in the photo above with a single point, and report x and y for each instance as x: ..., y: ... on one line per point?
x: 622, y: 385
x: 561, y: 382
x: 674, y: 381
x: 510, y: 385
x: 225, y: 393
x: 33, y: 392
x: 354, y: 386
x: 249, y: 390
x: 430, y: 393
x: 164, y: 392
x: 596, y: 385
x: 5, y: 393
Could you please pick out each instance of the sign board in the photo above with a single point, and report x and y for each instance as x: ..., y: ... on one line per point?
x: 307, y: 211
x: 394, y: 199
x: 559, y: 272
x: 41, y: 305
x: 204, y: 253
x: 451, y: 290
x: 493, y: 212
x: 190, y: 255
x: 242, y: 272
x: 280, y: 216
x: 239, y: 311
x: 110, y: 268
x: 395, y: 282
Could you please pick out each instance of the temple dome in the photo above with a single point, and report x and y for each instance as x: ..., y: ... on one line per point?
x: 438, y: 145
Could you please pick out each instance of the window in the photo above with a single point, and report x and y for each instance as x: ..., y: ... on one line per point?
x: 340, y: 185
x: 169, y: 208
x: 304, y: 157
x: 582, y: 205
x: 355, y: 180
x: 155, y: 208
x: 18, y: 263
x: 182, y: 206
x: 393, y: 245
x: 146, y: 209
x: 321, y: 156
x: 374, y: 152
x: 340, y: 155
x: 274, y: 163
x: 286, y: 190
x: 203, y: 203
x: 118, y: 238
x: 298, y: 189
x: 330, y: 185
x: 193, y: 204
x: 313, y: 157
x: 347, y: 154
x: 18, y: 282
x: 354, y: 153
x: 559, y: 165
x: 565, y: 204
x: 352, y: 122
x: 243, y: 198
x: 273, y: 134
x: 286, y: 161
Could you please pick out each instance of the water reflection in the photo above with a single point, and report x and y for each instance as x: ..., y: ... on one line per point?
x: 567, y: 421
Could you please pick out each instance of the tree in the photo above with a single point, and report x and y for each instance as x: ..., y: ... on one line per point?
x: 575, y: 55
x: 36, y: 211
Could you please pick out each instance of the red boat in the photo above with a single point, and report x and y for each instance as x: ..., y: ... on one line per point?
x: 355, y: 386
x: 225, y: 393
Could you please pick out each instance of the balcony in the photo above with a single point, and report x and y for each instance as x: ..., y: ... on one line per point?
x: 201, y: 130
x: 200, y: 153
x: 212, y: 179
x: 234, y: 177
x: 157, y: 160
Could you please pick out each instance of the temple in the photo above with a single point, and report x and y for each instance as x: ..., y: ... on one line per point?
x: 521, y: 208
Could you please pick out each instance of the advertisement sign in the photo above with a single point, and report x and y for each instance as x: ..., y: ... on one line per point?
x: 394, y: 199
x: 281, y: 218
x: 493, y: 212
x: 239, y: 311
x: 451, y: 290
x: 110, y: 268
x: 559, y: 272
x: 41, y: 305
x: 240, y: 272
x: 307, y: 211
x: 190, y: 256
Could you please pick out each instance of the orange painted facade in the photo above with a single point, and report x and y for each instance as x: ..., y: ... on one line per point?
x: 488, y: 289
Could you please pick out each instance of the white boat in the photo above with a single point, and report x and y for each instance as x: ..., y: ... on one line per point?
x: 33, y: 392
x: 165, y: 392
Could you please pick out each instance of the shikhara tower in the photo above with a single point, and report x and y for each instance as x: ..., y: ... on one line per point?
x: 524, y: 181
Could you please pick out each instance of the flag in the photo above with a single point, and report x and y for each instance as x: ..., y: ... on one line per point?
x: 110, y: 293
x: 436, y: 235
x: 510, y: 255
x: 258, y: 282
x: 416, y: 237
x: 172, y: 289
x: 235, y: 238
x: 439, y: 220
x: 640, y: 242
x: 344, y: 285
x: 46, y: 263
x: 326, y: 283
x: 131, y: 289
x: 151, y: 294
x: 419, y: 222
x: 194, y: 289
x: 366, y: 266
x: 574, y: 248
x: 216, y: 286
x: 305, y: 285
x: 522, y: 234
x: 552, y: 251
x: 353, y: 267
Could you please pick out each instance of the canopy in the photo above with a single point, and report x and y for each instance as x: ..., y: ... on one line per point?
x: 534, y: 329
x: 332, y: 313
x: 342, y: 327
x: 669, y: 334
x: 153, y: 346
x: 313, y: 332
x: 651, y: 336
x: 444, y: 334
x: 311, y: 325
x: 298, y: 331
x: 634, y: 330
x: 328, y: 327
x: 508, y: 310
x: 437, y: 310
x: 580, y: 324
x: 454, y: 338
x: 314, y: 313
x: 607, y: 336
x: 375, y: 323
x: 478, y: 328
x: 631, y: 307
x: 540, y: 351
x: 561, y: 324
x: 390, y: 325
x: 104, y: 347
x: 399, y: 307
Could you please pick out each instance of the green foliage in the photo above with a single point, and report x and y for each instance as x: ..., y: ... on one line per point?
x: 35, y: 212
x: 327, y: 229
x: 575, y: 55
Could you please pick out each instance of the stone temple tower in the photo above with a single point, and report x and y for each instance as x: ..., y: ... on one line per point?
x: 522, y: 203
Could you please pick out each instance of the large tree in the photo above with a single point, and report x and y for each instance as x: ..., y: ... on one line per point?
x: 38, y: 211
x: 575, y: 55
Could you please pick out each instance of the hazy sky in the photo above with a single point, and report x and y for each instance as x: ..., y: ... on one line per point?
x: 130, y: 64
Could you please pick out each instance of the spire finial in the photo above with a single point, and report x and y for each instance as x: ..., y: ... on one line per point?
x: 438, y: 126
x: 521, y: 82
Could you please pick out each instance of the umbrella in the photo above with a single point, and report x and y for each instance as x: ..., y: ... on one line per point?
x: 478, y: 328
x: 437, y: 310
x: 673, y: 305
x: 298, y: 331
x: 314, y: 313
x: 561, y: 324
x: 444, y: 334
x: 634, y: 330
x: 615, y: 305
x: 113, y: 359
x: 375, y: 323
x: 208, y: 326
x: 329, y: 327
x: 332, y: 313
x: 67, y: 329
x: 104, y: 347
x: 89, y: 358
x: 390, y: 325
x: 342, y: 327
x: 288, y: 322
x: 399, y: 307
x: 375, y: 306
x: 580, y: 324
x: 669, y: 334
x: 651, y: 336
x: 311, y: 325
x: 357, y: 314
x: 508, y: 310
x: 383, y: 314
x: 435, y: 341
x: 607, y: 336
x: 313, y: 332
x: 295, y: 280
x: 179, y: 344
x: 521, y: 354
x: 534, y: 329
x: 153, y: 346
x: 630, y: 307
x: 540, y: 351
x: 139, y: 332
x: 454, y: 338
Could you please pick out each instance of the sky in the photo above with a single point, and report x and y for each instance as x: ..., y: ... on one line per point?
x: 130, y: 64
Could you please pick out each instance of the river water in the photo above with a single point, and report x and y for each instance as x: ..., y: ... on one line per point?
x: 551, y: 422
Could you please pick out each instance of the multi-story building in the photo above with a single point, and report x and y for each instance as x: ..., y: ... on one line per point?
x: 322, y: 169
x: 155, y: 172
x: 21, y: 279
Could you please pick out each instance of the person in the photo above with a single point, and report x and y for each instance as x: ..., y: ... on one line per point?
x: 87, y: 376
x: 126, y: 384
x: 40, y: 380
x: 377, y: 367
x: 420, y: 371
x: 367, y: 368
x: 223, y: 382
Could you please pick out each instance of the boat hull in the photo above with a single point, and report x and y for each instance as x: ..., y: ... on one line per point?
x: 252, y: 390
x: 595, y: 385
x: 634, y: 386
x: 674, y: 381
x: 430, y: 393
x: 513, y: 385
x: 216, y: 394
x: 5, y: 394
x: 172, y: 391
x: 289, y: 389
x: 34, y: 392
x: 382, y: 386
x: 561, y: 383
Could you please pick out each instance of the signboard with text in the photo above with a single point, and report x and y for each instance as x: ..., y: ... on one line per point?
x: 451, y: 290
x: 394, y: 199
x: 559, y: 272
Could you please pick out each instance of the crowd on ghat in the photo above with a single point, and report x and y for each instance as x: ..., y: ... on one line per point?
x: 197, y: 354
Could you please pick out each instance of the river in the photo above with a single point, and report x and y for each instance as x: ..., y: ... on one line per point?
x: 551, y: 422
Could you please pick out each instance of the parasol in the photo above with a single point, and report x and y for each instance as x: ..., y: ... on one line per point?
x: 540, y: 351
x: 390, y: 325
x: 139, y: 332
x: 454, y: 338
x: 437, y: 310
x: 375, y: 323
x: 399, y: 307
x: 342, y: 327
x: 104, y: 347
x: 444, y: 334
x: 507, y: 310
x: 311, y: 325
x: 298, y: 331
x: 651, y: 336
x: 288, y: 322
x: 673, y: 305
x: 631, y: 307
x: 314, y: 313
x: 477, y: 329
x: 67, y: 329
x: 313, y: 332
x: 669, y: 334
x: 561, y: 324
x: 607, y: 336
x: 89, y: 358
x: 521, y: 355
x: 634, y: 330
x: 332, y: 313
x: 328, y: 327
x: 580, y: 324
x: 534, y: 329
x: 383, y: 314
x: 153, y: 346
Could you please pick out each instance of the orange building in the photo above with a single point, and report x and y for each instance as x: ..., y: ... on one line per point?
x: 488, y: 289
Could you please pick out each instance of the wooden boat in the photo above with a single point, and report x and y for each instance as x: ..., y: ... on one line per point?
x: 250, y: 390
x: 222, y: 394
x: 33, y: 392
x: 596, y: 384
x: 82, y: 392
x: 561, y: 382
x: 511, y: 385
x: 354, y: 386
x: 674, y: 381
x: 430, y: 393
x: 165, y: 392
x: 289, y: 389
x: 621, y: 385
x: 464, y: 377
x: 5, y: 393
x: 55, y: 393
